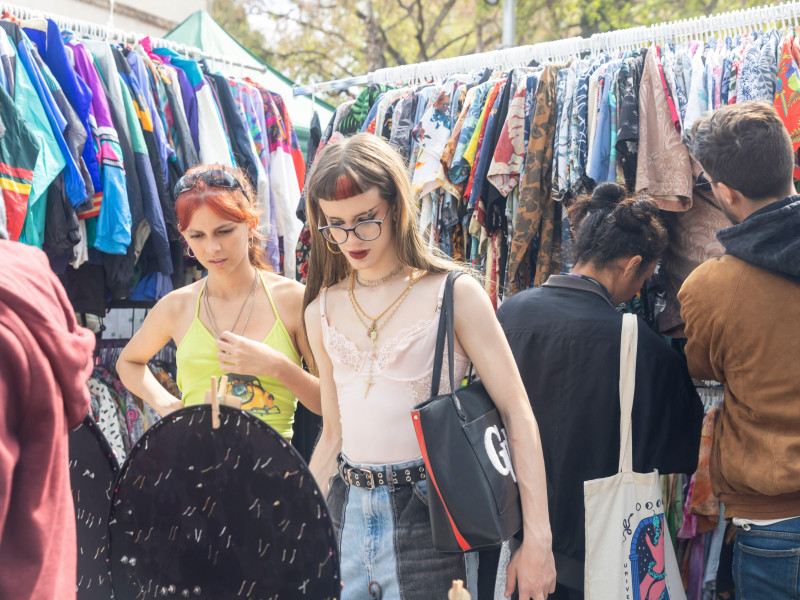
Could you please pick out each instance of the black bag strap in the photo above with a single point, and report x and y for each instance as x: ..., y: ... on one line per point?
x: 446, y: 331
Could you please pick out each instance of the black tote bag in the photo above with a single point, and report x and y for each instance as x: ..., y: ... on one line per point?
x: 473, y: 494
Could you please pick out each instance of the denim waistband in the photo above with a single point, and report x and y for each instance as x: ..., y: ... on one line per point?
x: 417, y: 462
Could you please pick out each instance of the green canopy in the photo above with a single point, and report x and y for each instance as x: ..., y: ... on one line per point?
x: 201, y: 31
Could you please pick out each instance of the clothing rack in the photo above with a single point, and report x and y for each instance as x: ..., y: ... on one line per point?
x: 729, y: 23
x: 87, y: 29
x: 107, y: 351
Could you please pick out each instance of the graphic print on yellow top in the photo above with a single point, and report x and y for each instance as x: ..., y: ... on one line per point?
x: 265, y: 397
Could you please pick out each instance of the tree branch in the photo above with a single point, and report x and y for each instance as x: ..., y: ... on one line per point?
x: 399, y: 58
x: 438, y: 21
x: 444, y: 47
x: 422, y: 53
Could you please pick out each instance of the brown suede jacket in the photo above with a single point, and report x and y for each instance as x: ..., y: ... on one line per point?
x: 743, y: 329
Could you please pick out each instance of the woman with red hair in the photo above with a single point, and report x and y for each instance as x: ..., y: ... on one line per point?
x: 241, y: 320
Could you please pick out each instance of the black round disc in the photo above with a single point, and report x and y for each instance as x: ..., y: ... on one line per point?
x: 92, y: 469
x: 217, y: 514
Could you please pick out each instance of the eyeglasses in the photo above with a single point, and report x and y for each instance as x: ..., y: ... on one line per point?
x: 366, y: 231
x: 703, y: 183
x: 213, y: 178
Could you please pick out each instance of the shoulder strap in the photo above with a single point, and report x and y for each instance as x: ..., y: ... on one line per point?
x: 199, y: 296
x: 323, y: 293
x: 269, y: 296
x: 627, y: 385
x: 446, y: 331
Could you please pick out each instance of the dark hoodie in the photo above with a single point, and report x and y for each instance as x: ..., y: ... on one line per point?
x: 769, y: 239
x: 45, y: 361
x: 742, y: 315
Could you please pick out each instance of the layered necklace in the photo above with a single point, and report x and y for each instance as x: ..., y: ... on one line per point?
x: 215, y: 330
x: 373, y: 324
x: 380, y: 281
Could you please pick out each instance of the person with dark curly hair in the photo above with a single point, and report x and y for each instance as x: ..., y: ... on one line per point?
x: 565, y: 337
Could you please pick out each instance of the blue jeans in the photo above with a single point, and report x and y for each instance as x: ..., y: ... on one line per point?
x: 385, y: 536
x: 766, y: 561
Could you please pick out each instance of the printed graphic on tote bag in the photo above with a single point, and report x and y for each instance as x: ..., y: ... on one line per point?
x: 500, y: 457
x: 648, y: 562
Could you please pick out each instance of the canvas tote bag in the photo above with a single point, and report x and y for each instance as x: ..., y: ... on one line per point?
x: 629, y: 553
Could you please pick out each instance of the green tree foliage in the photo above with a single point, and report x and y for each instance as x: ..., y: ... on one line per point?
x: 318, y: 40
x: 544, y: 20
x: 232, y: 16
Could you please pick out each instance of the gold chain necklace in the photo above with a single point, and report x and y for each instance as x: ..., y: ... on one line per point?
x: 372, y: 330
x: 380, y: 281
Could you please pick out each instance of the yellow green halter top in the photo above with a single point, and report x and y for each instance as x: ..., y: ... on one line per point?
x: 263, y: 396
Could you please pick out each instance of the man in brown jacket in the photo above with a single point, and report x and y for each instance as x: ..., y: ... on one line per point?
x: 742, y: 315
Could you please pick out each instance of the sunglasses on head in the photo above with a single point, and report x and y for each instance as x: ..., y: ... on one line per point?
x: 213, y: 178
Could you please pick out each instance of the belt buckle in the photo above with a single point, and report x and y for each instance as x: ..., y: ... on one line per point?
x: 370, y: 478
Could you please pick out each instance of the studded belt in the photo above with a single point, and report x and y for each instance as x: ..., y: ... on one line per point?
x: 369, y: 479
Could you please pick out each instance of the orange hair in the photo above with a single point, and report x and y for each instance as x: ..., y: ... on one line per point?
x: 235, y: 205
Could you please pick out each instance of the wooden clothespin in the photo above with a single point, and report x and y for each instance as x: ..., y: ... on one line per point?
x: 457, y: 592
x: 217, y: 396
x: 215, y: 391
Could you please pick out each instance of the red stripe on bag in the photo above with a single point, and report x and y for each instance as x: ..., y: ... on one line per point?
x: 421, y: 439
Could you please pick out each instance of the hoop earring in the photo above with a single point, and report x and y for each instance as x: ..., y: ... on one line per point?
x: 331, y: 250
x: 190, y: 253
x: 250, y: 244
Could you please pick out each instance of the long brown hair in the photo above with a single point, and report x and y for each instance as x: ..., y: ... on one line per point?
x: 349, y: 168
x: 239, y: 207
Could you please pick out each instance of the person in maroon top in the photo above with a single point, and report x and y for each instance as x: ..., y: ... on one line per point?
x: 45, y: 361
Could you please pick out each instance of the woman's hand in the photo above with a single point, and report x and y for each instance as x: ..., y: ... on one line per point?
x: 532, y: 571
x: 244, y: 356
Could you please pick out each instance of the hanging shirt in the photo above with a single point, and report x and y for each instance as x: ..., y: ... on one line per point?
x: 580, y: 124
x: 537, y: 208
x: 282, y: 180
x: 431, y: 135
x: 460, y: 166
x: 142, y: 75
x: 465, y: 100
x: 8, y: 62
x: 601, y: 152
x: 74, y: 184
x: 697, y: 100
x: 151, y: 204
x: 664, y: 169
x: 612, y: 107
x: 751, y: 84
x: 50, y: 160
x: 567, y: 78
x: 53, y: 52
x: 294, y: 143
x: 114, y: 223
x: 249, y: 115
x: 478, y: 226
x: 787, y: 100
x: 768, y: 66
x: 19, y: 154
x: 629, y: 82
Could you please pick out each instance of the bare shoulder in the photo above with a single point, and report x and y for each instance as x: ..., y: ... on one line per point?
x: 180, y: 301
x: 284, y: 290
x: 467, y: 289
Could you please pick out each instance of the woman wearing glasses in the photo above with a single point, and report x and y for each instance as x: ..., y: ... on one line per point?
x: 240, y: 320
x: 371, y: 312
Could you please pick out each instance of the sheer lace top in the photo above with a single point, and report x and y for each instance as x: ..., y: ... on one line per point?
x: 378, y: 429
